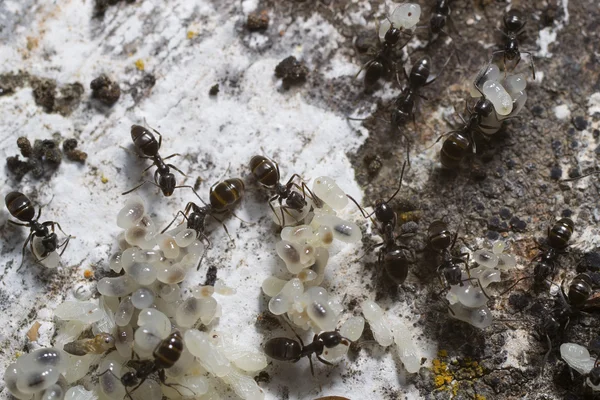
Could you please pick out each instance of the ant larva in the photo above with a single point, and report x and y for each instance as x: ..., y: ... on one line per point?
x: 20, y: 207
x: 513, y: 27
x: 391, y: 256
x: 223, y: 197
x: 147, y: 144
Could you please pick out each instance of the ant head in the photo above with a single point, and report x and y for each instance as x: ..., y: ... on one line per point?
x: 580, y: 290
x: 437, y: 23
x: 129, y: 379
x: 541, y: 271
x: 50, y: 242
x: 439, y: 236
x: 167, y: 183
x: 392, y: 36
x: 594, y: 376
x: 483, y: 107
x: 513, y: 21
x: 453, y: 274
x: 331, y: 339
x: 383, y: 212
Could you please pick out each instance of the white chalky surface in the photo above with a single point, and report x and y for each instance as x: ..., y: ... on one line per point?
x: 251, y: 115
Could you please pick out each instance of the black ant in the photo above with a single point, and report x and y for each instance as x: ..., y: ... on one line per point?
x: 442, y: 241
x: 391, y: 255
x: 381, y: 64
x: 285, y: 349
x: 513, y: 27
x: 165, y: 355
x: 223, y: 196
x: 556, y: 243
x: 147, y: 144
x: 266, y: 172
x: 21, y: 208
x: 440, y: 14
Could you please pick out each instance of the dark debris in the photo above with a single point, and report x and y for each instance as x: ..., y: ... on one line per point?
x: 105, y: 90
x: 291, y: 71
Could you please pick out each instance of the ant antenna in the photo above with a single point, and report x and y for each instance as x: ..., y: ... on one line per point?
x: 400, y: 186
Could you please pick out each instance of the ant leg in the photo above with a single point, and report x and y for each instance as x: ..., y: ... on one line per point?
x: 312, y: 369
x: 323, y: 361
x: 208, y: 246
x: 171, y: 156
x: 159, y: 137
x: 176, y: 169
x: 224, y: 226
x: 546, y: 355
x: 362, y: 210
x: 193, y: 190
x: 64, y: 245
x: 285, y: 319
x: 29, y: 239
x: 443, y: 135
x: 400, y: 185
x: 366, y: 65
x: 174, y: 219
x: 530, y: 61
x: 280, y: 220
x: 137, y: 187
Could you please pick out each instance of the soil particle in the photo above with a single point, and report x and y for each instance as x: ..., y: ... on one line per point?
x: 105, y: 90
x: 71, y: 151
x: 258, y: 21
x: 291, y: 71
x: 211, y: 276
x: 11, y: 82
x: 64, y: 102
x: 214, y: 90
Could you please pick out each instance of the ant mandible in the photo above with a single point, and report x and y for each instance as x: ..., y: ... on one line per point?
x: 21, y: 208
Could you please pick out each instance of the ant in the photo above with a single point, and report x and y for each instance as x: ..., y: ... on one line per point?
x: 441, y: 240
x: 223, y: 196
x: 391, y: 255
x: 440, y: 14
x: 556, y: 243
x: 285, y: 349
x: 266, y: 172
x: 513, y: 27
x: 166, y: 354
x: 147, y: 144
x: 21, y: 208
x: 381, y: 63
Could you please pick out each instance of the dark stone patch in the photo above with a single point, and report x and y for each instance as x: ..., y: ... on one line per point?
x: 257, y: 21
x: 211, y: 276
x: 580, y: 123
x: 105, y: 90
x: 291, y: 72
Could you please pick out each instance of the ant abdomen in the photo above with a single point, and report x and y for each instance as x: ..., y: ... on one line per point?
x: 144, y: 140
x: 561, y: 233
x: 455, y: 148
x: 264, y: 170
x: 225, y: 195
x: 19, y: 206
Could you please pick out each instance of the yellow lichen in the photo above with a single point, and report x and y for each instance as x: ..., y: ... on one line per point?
x: 442, y: 353
x: 191, y: 34
x: 104, y: 179
x: 139, y: 64
x: 479, y: 397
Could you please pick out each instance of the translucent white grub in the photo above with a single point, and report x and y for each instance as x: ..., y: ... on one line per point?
x: 281, y: 215
x: 519, y: 101
x: 514, y: 84
x: 352, y: 328
x: 131, y: 213
x: 168, y: 292
x: 79, y: 393
x: 327, y: 190
x: 485, y: 258
x: 210, y: 357
x: 30, y: 382
x: 168, y: 246
x: 344, y: 231
x: 406, y: 15
x: 478, y: 317
x: 468, y: 295
x: 107, y: 323
x: 139, y: 236
x: 152, y: 256
x: 170, y: 273
x: 336, y: 353
x: 193, y: 309
x: 148, y: 390
x: 117, y: 287
x: 142, y: 298
x: 124, y: 341
x: 406, y: 347
x: 378, y: 323
x: 115, y: 263
x: 148, y: 223
x: 495, y: 92
x: 282, y: 301
x: 54, y: 392
x: 290, y: 253
x: 578, y: 357
x: 273, y: 285
x: 321, y: 260
x: 187, y: 387
x: 123, y: 245
x: 499, y: 246
x: 486, y: 276
x: 222, y: 289
x: 10, y: 380
x: 185, y: 237
x: 84, y: 311
x: 132, y: 255
x: 300, y: 234
x: 306, y: 275
x: 143, y: 273
x: 124, y: 312
x: 79, y: 366
x: 243, y: 385
x: 197, y: 248
x: 109, y: 382
x: 157, y: 319
x: 49, y: 261
x: 147, y: 337
x: 201, y: 292
x: 491, y: 74
x: 506, y: 262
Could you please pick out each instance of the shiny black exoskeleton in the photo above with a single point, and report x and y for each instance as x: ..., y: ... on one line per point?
x: 514, y: 22
x: 266, y: 172
x: 392, y: 256
x: 557, y: 240
x: 147, y: 144
x: 441, y: 240
x: 285, y: 349
x: 223, y: 197
x: 20, y: 207
x: 440, y: 15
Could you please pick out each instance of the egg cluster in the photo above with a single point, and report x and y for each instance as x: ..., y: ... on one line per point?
x: 468, y: 302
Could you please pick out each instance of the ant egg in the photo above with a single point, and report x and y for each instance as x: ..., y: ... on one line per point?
x: 327, y: 190
x: 110, y: 384
x: 147, y: 337
x: 281, y: 302
x: 491, y: 74
x: 273, y: 285
x: 147, y: 390
x: 171, y: 274
x: 221, y: 288
x: 515, y: 84
x: 297, y: 234
x: 153, y: 317
x: 168, y: 246
x: 10, y: 380
x: 168, y: 293
x: 193, y: 309
x: 519, y: 100
x: 136, y: 236
x: 324, y: 236
x: 503, y: 103
x: 213, y: 360
x: 54, y: 392
x: 123, y: 245
x: 506, y: 262
x: 307, y: 255
x: 469, y: 295
x: 244, y: 386
x: 485, y: 258
x: 406, y: 15
x: 499, y: 246
x: 185, y: 237
x: 124, y: 340
x: 379, y: 326
x: 115, y: 263
x: 142, y: 298
x: 486, y: 276
x: 353, y: 328
x: 117, y: 287
x: 578, y: 357
x: 407, y: 350
x: 321, y: 315
x: 124, y: 312
x: 143, y: 273
x: 84, y: 311
x: 478, y: 317
x: 344, y: 231
x: 187, y: 387
x: 132, y: 213
x: 79, y: 393
x: 201, y: 292
x: 79, y: 367
x: 196, y: 248
x: 130, y: 256
x: 290, y: 253
x: 307, y: 275
x: 321, y: 260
